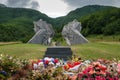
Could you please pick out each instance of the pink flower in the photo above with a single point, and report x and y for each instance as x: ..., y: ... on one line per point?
x: 87, y: 70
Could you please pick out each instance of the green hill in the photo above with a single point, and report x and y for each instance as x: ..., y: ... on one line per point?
x: 95, y: 20
x: 77, y: 14
x: 16, y: 24
x: 106, y: 22
x: 80, y: 12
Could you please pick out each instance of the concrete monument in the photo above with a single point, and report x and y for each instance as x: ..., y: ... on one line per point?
x: 71, y: 33
x: 43, y: 33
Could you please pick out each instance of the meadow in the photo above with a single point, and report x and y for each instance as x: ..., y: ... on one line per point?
x: 98, y: 47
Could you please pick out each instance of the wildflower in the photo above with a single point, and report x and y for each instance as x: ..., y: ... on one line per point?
x: 3, y: 72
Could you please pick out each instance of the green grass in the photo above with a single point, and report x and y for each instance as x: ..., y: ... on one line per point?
x: 94, y: 38
x: 28, y: 51
x: 106, y: 50
x: 92, y: 50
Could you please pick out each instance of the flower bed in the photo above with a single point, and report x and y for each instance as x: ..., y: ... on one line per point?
x: 13, y: 68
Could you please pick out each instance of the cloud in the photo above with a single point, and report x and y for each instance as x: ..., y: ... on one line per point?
x: 23, y: 3
x: 35, y: 5
x: 81, y: 3
x: 55, y: 8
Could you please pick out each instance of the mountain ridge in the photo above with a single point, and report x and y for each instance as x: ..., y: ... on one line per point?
x: 17, y: 23
x: 2, y: 5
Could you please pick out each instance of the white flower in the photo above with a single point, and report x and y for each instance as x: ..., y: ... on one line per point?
x: 1, y: 55
x: 10, y: 57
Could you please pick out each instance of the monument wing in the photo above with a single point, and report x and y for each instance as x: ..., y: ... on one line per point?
x: 71, y: 33
x: 43, y: 33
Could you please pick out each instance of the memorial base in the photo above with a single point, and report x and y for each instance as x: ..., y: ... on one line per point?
x: 60, y: 52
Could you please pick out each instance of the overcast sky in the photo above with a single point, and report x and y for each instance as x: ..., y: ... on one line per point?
x: 56, y: 8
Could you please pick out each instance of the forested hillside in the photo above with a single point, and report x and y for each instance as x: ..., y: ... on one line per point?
x: 105, y: 22
x: 80, y: 12
x: 76, y: 14
x: 16, y: 24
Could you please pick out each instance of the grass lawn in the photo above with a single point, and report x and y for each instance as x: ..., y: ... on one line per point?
x: 28, y: 51
x: 106, y: 50
x: 92, y: 50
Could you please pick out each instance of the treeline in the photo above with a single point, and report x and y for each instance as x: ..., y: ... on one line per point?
x: 16, y: 30
x: 106, y: 22
x: 95, y: 20
x: 77, y: 14
x: 16, y: 24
